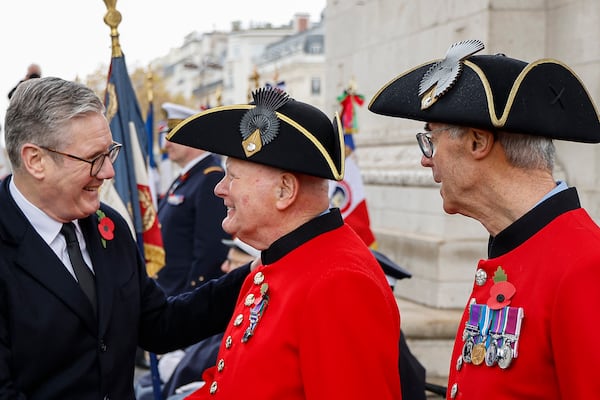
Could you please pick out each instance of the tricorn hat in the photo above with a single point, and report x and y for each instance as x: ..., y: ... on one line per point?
x: 273, y: 130
x: 493, y: 92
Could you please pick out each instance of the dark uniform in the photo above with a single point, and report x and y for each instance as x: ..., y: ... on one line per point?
x: 190, y: 216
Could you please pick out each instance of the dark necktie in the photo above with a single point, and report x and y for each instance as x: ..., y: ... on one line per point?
x: 82, y: 272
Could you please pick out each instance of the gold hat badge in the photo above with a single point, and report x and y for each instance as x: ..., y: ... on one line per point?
x: 260, y: 124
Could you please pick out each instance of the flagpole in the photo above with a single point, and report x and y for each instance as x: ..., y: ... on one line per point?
x: 113, y: 18
x: 153, y: 169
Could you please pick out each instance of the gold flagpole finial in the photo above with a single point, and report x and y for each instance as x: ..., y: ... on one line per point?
x: 150, y: 81
x: 254, y: 78
x: 113, y: 19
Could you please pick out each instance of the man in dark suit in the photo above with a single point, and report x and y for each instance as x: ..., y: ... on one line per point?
x: 60, y: 338
x: 190, y: 215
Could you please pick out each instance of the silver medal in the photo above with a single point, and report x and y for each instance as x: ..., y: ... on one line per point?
x: 491, y: 354
x: 505, y: 356
x: 467, y: 349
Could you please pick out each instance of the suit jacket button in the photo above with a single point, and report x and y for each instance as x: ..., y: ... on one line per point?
x: 103, y: 346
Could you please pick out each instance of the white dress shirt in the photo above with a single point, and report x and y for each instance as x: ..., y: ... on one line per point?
x: 49, y: 230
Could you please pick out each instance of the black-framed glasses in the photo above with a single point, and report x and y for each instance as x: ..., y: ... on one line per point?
x: 425, y: 143
x: 97, y: 162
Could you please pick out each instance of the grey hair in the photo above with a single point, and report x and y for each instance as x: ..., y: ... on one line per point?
x: 522, y: 151
x: 39, y: 111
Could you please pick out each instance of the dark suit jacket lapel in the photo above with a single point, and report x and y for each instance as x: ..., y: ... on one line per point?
x: 34, y: 256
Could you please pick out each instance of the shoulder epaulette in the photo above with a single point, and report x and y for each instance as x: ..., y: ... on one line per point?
x: 212, y: 169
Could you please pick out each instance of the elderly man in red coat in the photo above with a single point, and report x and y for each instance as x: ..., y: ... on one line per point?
x: 317, y: 318
x: 530, y: 324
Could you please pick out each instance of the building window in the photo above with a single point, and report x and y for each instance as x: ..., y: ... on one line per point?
x: 315, y: 86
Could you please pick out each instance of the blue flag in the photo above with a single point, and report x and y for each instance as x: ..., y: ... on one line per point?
x: 131, y: 171
x: 150, y: 133
x: 123, y: 113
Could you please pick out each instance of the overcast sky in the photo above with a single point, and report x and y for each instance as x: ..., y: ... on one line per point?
x: 69, y: 39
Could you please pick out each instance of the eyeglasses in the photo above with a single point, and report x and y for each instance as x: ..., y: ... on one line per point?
x: 97, y: 162
x: 425, y: 143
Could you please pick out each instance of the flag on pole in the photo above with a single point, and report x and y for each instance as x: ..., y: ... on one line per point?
x: 349, y: 194
x: 153, y: 174
x: 131, y: 176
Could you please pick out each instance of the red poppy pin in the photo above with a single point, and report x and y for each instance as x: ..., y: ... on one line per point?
x: 501, y: 292
x: 106, y: 227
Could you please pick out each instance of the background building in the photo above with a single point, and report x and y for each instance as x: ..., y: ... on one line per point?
x: 297, y: 61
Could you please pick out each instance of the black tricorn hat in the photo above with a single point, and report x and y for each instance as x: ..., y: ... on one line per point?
x: 493, y: 92
x: 273, y: 130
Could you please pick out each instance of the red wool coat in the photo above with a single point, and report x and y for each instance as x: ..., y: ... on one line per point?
x: 552, y: 258
x: 330, y: 329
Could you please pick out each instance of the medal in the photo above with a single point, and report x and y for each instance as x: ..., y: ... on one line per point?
x: 467, y: 349
x: 513, y: 327
x: 505, y: 355
x: 257, y: 311
x: 491, y: 354
x: 471, y: 330
x: 498, y: 327
x: 478, y: 353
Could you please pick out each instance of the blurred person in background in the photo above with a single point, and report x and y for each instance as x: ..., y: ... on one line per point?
x: 190, y: 215
x: 33, y: 71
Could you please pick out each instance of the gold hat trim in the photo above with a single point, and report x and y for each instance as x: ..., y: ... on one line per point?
x: 500, y: 122
x: 173, y: 122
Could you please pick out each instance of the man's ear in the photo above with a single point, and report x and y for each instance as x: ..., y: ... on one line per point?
x: 33, y: 161
x: 287, y: 190
x: 481, y: 142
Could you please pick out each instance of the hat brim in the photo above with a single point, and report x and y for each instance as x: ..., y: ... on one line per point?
x: 313, y: 147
